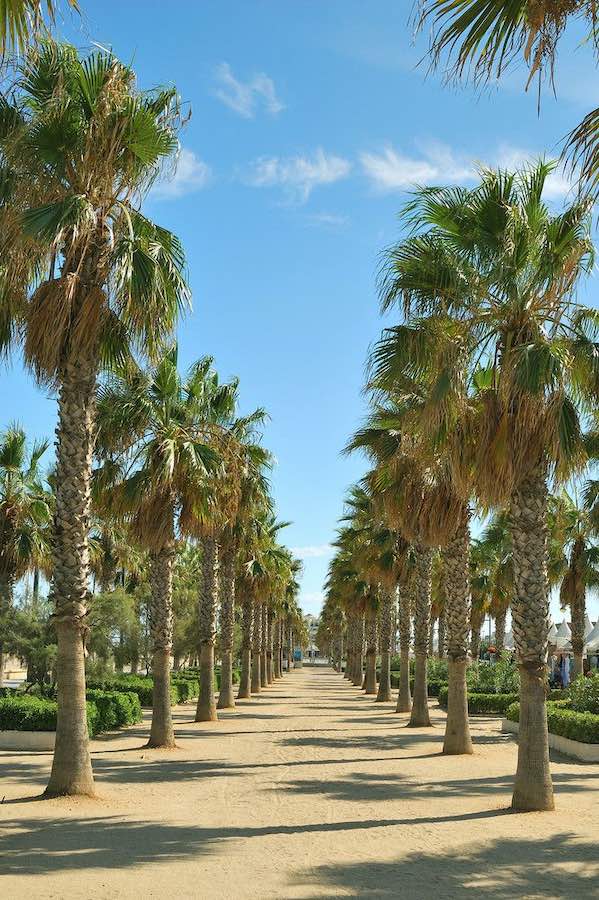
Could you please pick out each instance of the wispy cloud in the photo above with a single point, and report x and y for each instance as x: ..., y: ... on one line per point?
x: 389, y: 170
x: 313, y: 551
x: 297, y: 175
x: 328, y: 220
x: 192, y: 174
x: 311, y: 601
x: 246, y: 97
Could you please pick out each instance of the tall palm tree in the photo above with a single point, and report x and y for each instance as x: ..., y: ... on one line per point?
x: 485, y: 37
x: 504, y: 271
x: 86, y: 277
x: 574, y: 528
x: 25, y: 517
x: 151, y: 428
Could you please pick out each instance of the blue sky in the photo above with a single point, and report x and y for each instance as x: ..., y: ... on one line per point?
x: 309, y: 123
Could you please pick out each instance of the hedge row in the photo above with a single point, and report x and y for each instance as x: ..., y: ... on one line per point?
x: 565, y: 722
x: 482, y: 703
x: 433, y: 685
x: 105, y: 710
x: 181, y: 690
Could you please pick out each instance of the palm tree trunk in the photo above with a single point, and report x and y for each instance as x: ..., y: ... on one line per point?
x: 6, y: 602
x: 161, y: 630
x: 206, y: 708
x: 71, y: 767
x: 431, y: 636
x: 226, y: 697
x: 256, y: 682
x: 404, y: 698
x: 276, y: 650
x: 456, y: 562
x: 386, y: 619
x: 270, y: 620
x: 422, y: 609
x: 577, y: 608
x: 359, y: 654
x: 370, y: 671
x: 442, y: 634
x: 476, y: 623
x: 500, y: 618
x: 533, y: 789
x: 263, y: 642
x: 247, y: 617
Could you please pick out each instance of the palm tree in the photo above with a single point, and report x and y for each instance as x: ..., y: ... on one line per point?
x: 502, y: 270
x: 25, y: 517
x: 494, y: 560
x: 152, y: 421
x: 87, y: 276
x: 21, y: 20
x: 483, y: 38
x: 574, y: 528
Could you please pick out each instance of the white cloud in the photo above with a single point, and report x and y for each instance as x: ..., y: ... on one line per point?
x: 245, y: 97
x: 331, y: 220
x: 389, y: 170
x: 313, y: 551
x: 393, y: 171
x: 311, y: 602
x: 192, y: 174
x: 298, y: 175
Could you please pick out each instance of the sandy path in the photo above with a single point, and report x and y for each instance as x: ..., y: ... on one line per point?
x: 310, y: 790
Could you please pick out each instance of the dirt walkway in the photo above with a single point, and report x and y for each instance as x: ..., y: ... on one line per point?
x: 310, y: 790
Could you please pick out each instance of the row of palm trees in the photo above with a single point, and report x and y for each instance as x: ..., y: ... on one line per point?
x: 481, y: 396
x: 89, y: 289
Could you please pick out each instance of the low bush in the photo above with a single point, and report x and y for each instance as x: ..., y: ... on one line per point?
x: 187, y: 688
x: 584, y: 693
x: 482, y: 703
x: 115, y: 708
x: 7, y: 692
x: 35, y: 714
x: 565, y: 722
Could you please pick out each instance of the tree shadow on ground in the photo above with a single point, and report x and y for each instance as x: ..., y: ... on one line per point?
x: 364, y: 787
x: 503, y: 869
x: 401, y: 738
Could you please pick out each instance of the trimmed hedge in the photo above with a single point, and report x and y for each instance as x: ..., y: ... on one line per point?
x: 565, y: 722
x: 115, y: 708
x: 433, y: 685
x: 182, y: 688
x: 34, y: 714
x: 482, y: 703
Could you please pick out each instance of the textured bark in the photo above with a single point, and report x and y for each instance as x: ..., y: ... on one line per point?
x: 405, y: 596
x: 247, y: 618
x: 533, y: 789
x: 206, y: 708
x: 359, y: 651
x: 71, y: 766
x: 6, y: 602
x: 263, y: 643
x: 442, y: 634
x: 476, y: 623
x: 577, y: 607
x: 226, y: 697
x: 270, y: 620
x: 161, y: 632
x: 500, y: 629
x: 386, y: 621
x: 276, y: 649
x: 370, y: 669
x: 256, y: 644
x: 456, y: 577
x: 431, y: 636
x: 422, y: 607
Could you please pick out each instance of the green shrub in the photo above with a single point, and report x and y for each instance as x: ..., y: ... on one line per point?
x: 482, y: 703
x: 7, y: 692
x: 500, y: 677
x: 565, y: 722
x: 35, y: 714
x: 584, y: 693
x: 115, y: 708
x: 186, y: 688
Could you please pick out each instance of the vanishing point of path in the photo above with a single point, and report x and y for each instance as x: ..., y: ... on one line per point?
x: 310, y: 790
